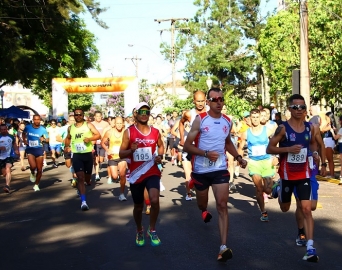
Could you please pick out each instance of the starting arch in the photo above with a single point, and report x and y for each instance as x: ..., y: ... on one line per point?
x: 61, y: 87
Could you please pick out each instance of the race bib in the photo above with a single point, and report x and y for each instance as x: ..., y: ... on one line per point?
x: 80, y: 147
x: 212, y: 164
x: 115, y: 149
x: 142, y: 154
x: 33, y: 143
x: 298, y: 158
x: 258, y: 150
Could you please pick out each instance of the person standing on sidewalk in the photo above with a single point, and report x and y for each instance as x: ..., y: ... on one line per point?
x: 208, y: 141
x: 139, y: 143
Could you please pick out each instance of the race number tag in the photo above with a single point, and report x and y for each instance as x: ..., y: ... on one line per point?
x: 298, y: 158
x: 33, y: 143
x: 115, y: 149
x: 258, y: 150
x: 80, y: 147
x: 142, y: 154
x: 212, y: 164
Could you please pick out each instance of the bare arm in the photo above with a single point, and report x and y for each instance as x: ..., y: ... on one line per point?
x: 96, y: 134
x: 242, y: 143
x: 185, y: 117
x: 125, y: 150
x: 189, y: 147
x: 67, y: 140
x: 104, y: 141
x: 272, y: 147
x: 174, y: 128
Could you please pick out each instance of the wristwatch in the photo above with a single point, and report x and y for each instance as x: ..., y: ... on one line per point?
x: 206, y: 153
x: 324, y: 164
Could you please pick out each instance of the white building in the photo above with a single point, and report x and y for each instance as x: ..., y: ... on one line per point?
x: 281, y: 5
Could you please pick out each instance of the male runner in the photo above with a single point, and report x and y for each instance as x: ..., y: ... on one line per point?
x: 33, y: 136
x: 115, y: 164
x: 190, y: 115
x: 79, y: 142
x: 55, y: 145
x: 139, y: 143
x: 211, y: 133
x: 294, y: 138
x: 100, y: 153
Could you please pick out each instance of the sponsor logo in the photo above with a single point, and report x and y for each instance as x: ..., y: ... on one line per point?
x: 144, y: 141
x: 206, y: 129
x: 292, y: 137
x: 217, y: 123
x: 225, y: 129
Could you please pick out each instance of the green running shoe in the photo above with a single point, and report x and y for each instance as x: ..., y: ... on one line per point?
x: 155, y: 241
x: 139, y: 239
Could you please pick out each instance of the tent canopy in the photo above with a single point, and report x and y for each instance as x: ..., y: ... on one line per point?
x: 14, y: 112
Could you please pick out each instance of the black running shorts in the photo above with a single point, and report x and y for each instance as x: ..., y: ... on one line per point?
x: 204, y: 180
x: 83, y: 162
x: 137, y: 190
x: 303, y: 190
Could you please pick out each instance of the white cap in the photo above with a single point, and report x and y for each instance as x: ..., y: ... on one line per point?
x: 272, y: 104
x: 140, y: 105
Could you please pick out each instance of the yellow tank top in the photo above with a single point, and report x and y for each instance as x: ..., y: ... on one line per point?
x: 114, y: 144
x: 77, y: 136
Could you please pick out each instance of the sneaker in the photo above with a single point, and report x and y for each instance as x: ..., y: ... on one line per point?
x: 237, y: 171
x: 32, y: 178
x: 155, y: 241
x: 36, y: 188
x: 122, y: 197
x: 311, y: 255
x: 264, y: 217
x: 55, y: 165
x: 301, y: 240
x: 148, y: 209
x: 97, y: 178
x: 340, y: 183
x: 188, y: 197
x: 224, y: 254
x: 265, y: 197
x: 84, y: 206
x: 174, y: 162
x: 162, y: 188
x: 206, y: 216
x: 44, y: 164
x: 74, y: 182
x: 179, y: 163
x: 110, y: 181
x: 6, y: 189
x: 232, y: 186
x: 275, y: 189
x: 78, y: 193
x: 140, y: 239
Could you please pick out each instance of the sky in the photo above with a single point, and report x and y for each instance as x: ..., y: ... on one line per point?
x: 133, y: 33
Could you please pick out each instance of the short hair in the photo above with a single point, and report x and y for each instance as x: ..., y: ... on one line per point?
x: 215, y: 89
x: 53, y: 120
x: 254, y: 111
x: 36, y: 115
x: 78, y: 109
x: 293, y: 97
x: 97, y: 112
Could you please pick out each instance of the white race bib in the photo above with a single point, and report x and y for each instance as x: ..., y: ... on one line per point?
x: 211, y: 164
x: 258, y: 150
x: 298, y: 158
x: 142, y: 154
x: 33, y: 143
x: 80, y: 147
x: 115, y: 149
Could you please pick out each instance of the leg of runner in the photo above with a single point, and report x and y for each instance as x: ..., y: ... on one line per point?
x: 39, y: 163
x: 122, y: 173
x: 187, y: 173
x: 32, y: 163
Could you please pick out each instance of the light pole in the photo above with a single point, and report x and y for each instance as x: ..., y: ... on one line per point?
x: 2, y: 92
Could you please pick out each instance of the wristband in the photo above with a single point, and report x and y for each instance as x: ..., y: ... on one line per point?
x: 324, y: 164
x: 238, y: 156
x: 314, y: 152
x: 161, y: 156
x: 206, y: 153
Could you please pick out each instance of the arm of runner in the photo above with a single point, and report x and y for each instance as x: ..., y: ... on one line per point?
x: 125, y: 150
x: 242, y: 143
x: 67, y: 141
x: 174, y: 128
x: 104, y: 140
x: 15, y: 145
x: 96, y: 135
x: 230, y: 148
x: 158, y: 159
x: 185, y: 117
x: 321, y: 147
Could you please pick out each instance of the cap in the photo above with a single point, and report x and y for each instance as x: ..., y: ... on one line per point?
x: 272, y: 104
x: 245, y: 114
x: 140, y: 105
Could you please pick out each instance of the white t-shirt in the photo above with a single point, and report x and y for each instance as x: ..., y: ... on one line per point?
x: 273, y: 113
x: 340, y: 132
x: 53, y: 132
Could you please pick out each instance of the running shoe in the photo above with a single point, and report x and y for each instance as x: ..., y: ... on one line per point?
x: 74, y: 182
x: 162, y: 188
x: 148, y: 209
x: 54, y: 165
x: 311, y: 255
x: 84, y: 206
x: 140, y: 239
x: 301, y: 240
x: 265, y: 197
x: 110, y: 181
x: 188, y: 197
x: 36, y: 188
x: 275, y: 189
x: 122, y: 197
x: 6, y: 189
x: 224, y: 254
x: 206, y: 216
x: 340, y: 183
x: 179, y: 163
x: 97, y: 178
x: 237, y: 171
x: 264, y: 217
x: 155, y: 241
x: 232, y: 186
x: 32, y: 178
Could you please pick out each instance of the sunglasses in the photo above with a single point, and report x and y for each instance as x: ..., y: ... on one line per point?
x: 218, y: 99
x: 297, y: 107
x: 78, y: 114
x: 143, y: 112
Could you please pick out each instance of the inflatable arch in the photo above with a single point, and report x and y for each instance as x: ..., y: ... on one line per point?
x: 61, y: 87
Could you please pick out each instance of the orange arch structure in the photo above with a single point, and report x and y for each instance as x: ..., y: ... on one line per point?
x: 61, y: 87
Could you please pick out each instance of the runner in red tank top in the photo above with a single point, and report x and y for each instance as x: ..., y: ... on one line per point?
x: 140, y: 144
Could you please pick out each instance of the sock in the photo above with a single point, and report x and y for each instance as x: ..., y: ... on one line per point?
x: 309, y: 244
x: 147, y: 202
x: 222, y: 247
x: 301, y: 231
x: 83, y: 197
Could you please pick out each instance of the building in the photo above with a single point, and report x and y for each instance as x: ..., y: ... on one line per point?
x: 281, y: 5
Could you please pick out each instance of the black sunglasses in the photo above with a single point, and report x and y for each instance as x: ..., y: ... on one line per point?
x: 78, y: 114
x: 217, y: 99
x: 297, y: 107
x: 144, y: 112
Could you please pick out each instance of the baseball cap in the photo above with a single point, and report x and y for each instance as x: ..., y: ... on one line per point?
x: 272, y: 104
x: 245, y: 114
x: 142, y: 104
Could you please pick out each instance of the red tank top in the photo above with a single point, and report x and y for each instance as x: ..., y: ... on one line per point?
x: 142, y: 160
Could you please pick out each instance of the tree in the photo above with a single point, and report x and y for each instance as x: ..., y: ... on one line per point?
x: 80, y: 101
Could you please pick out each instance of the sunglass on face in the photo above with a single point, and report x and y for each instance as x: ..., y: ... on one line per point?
x: 217, y: 99
x: 143, y: 112
x: 297, y: 107
x: 78, y: 114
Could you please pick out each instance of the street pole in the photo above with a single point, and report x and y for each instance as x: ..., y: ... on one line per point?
x: 136, y: 59
x: 304, y: 53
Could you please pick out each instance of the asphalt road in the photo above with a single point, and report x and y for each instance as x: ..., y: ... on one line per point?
x: 47, y: 229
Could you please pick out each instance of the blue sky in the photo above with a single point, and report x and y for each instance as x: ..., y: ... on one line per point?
x: 132, y: 22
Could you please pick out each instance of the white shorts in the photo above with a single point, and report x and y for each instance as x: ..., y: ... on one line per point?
x: 329, y: 142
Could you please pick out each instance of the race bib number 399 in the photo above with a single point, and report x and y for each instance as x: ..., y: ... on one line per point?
x: 298, y: 158
x: 142, y: 154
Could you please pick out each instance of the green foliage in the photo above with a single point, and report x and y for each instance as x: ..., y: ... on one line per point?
x: 83, y: 101
x: 180, y: 105
x: 235, y: 105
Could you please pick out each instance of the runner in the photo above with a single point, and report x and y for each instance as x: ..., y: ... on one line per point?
x: 7, y: 146
x: 260, y: 164
x: 21, y: 145
x: 55, y: 145
x: 211, y: 134
x: 79, y: 142
x: 139, y: 144
x: 33, y: 136
x: 115, y: 164
x: 100, y: 153
x: 294, y: 138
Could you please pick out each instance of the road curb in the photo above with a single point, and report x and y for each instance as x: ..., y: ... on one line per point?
x: 330, y: 180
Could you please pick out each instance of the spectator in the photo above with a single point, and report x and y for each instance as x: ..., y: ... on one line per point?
x: 273, y: 111
x: 338, y: 137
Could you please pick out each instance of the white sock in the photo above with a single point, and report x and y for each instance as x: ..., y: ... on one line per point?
x: 309, y: 244
x: 222, y: 247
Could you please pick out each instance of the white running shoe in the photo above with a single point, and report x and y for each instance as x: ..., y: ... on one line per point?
x: 162, y: 188
x: 84, y: 206
x: 109, y: 181
x: 32, y: 178
x: 36, y: 188
x: 237, y: 171
x: 188, y: 197
x: 232, y: 186
x: 122, y: 197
